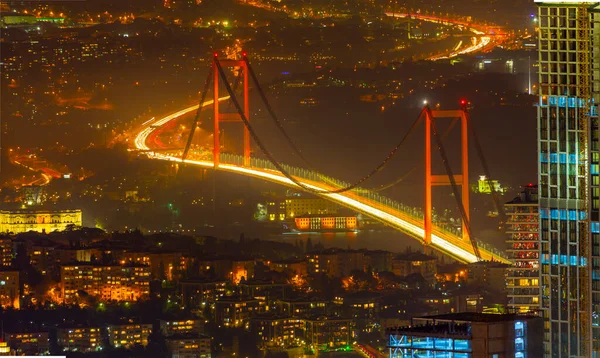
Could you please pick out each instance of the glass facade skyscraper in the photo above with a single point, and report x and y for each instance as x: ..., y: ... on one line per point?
x: 569, y: 182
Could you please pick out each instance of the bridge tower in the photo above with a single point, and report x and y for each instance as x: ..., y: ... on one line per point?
x: 219, y: 117
x: 461, y: 179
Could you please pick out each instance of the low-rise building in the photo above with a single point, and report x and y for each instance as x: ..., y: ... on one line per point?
x: 293, y: 266
x: 489, y: 274
x: 6, y: 251
x: 264, y: 290
x: 79, y: 339
x: 236, y: 311
x: 128, y: 335
x: 415, y: 263
x: 106, y: 282
x: 189, y: 346
x: 10, y: 292
x: 328, y: 332
x: 468, y: 335
x: 24, y: 220
x: 197, y: 293
x: 28, y: 342
x: 180, y: 327
x: 302, y: 306
x: 277, y: 331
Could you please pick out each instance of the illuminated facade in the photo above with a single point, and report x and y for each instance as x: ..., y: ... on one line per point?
x: 294, y: 206
x: 522, y: 278
x: 79, y: 339
x: 273, y: 331
x: 28, y: 343
x: 17, y: 221
x: 9, y: 289
x: 468, y: 335
x: 178, y: 327
x: 189, y: 346
x: 199, y: 293
x: 569, y: 176
x: 325, y: 223
x: 128, y: 335
x: 236, y: 311
x: 5, y: 349
x: 107, y: 283
x: 6, y: 251
x: 327, y: 332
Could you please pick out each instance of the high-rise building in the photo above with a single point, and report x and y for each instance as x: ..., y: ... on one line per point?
x: 522, y: 226
x: 569, y: 181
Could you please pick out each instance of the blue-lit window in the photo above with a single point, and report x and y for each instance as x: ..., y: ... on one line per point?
x: 572, y: 102
x: 553, y: 158
x: 562, y: 101
x: 544, y: 213
x: 563, y: 259
x: 572, y: 260
x: 554, y: 213
x: 572, y: 215
x: 422, y: 342
x: 443, y: 343
x: 552, y: 100
x: 563, y: 214
x: 463, y: 345
x: 596, y: 228
x: 520, y: 339
x: 554, y: 259
x: 572, y: 159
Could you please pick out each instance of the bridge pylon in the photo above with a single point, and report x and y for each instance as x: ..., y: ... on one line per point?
x: 230, y: 117
x: 461, y: 179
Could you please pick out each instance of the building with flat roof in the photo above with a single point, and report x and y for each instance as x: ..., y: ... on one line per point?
x: 128, y: 335
x: 106, y: 282
x: 466, y: 335
x: 522, y: 226
x: 328, y: 332
x: 10, y: 291
x: 28, y: 342
x: 415, y: 262
x: 173, y: 327
x: 24, y: 220
x: 277, y: 331
x: 568, y: 176
x: 189, y: 346
x: 79, y: 339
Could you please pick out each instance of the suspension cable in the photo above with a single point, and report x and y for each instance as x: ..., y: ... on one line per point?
x: 272, y: 114
x: 486, y: 169
x: 455, y: 190
x: 280, y: 167
x: 401, y: 179
x: 197, y: 116
x: 292, y: 143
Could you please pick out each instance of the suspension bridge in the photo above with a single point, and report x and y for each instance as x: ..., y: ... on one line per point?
x: 457, y: 243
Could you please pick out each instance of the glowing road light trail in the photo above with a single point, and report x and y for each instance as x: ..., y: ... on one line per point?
x: 344, y: 199
x: 479, y: 44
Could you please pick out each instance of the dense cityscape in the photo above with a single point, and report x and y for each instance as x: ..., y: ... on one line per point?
x: 300, y: 178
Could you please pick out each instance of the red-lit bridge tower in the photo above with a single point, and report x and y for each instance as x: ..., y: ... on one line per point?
x: 219, y: 117
x: 461, y: 179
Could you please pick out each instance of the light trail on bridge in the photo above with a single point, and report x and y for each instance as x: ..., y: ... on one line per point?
x: 453, y: 246
x: 482, y: 40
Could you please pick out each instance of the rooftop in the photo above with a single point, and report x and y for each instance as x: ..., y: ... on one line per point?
x: 414, y: 256
x: 478, y: 317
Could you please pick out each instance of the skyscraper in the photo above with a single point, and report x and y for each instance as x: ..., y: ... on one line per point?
x: 569, y: 183
x: 523, y: 276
